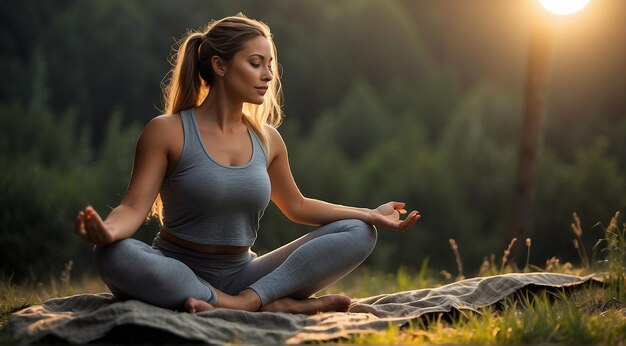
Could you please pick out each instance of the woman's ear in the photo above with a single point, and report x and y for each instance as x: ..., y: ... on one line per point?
x: 219, y: 68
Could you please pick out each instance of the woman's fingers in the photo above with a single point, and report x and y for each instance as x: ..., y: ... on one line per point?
x: 409, y: 221
x: 391, y: 216
x: 390, y: 207
x: 400, y: 213
x: 95, y: 229
x: 91, y: 232
x: 89, y: 226
x: 397, y: 205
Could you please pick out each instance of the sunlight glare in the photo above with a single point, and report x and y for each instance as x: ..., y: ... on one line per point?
x: 564, y: 7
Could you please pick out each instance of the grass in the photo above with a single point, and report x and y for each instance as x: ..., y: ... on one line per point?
x: 546, y: 317
x: 15, y: 297
x: 591, y: 314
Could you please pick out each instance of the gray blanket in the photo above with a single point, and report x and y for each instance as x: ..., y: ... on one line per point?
x: 98, y: 317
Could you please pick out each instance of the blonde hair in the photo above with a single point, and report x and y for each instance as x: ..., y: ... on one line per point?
x: 191, y: 76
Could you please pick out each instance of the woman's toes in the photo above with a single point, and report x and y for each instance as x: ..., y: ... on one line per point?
x: 335, y: 302
x: 193, y: 305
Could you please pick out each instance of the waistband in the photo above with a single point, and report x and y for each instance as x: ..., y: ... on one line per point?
x: 171, y: 249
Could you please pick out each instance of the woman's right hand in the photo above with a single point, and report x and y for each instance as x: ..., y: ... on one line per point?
x: 89, y: 226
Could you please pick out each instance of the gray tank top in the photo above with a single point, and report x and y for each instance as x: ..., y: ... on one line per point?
x: 209, y: 203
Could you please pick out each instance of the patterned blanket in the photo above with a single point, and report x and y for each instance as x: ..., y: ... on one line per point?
x: 87, y: 318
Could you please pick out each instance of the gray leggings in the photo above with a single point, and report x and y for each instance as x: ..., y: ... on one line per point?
x: 166, y: 274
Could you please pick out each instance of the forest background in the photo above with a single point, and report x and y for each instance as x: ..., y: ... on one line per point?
x: 418, y: 101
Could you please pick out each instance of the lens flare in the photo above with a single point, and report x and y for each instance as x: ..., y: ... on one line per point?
x: 564, y: 7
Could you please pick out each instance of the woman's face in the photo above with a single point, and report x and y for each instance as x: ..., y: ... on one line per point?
x: 248, y: 73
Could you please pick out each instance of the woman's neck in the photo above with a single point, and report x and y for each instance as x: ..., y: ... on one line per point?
x: 220, y: 110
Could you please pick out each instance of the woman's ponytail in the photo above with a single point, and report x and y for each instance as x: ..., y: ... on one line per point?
x: 185, y: 86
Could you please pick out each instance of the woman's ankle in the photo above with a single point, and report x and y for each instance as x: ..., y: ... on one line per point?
x: 251, y: 300
x: 247, y: 300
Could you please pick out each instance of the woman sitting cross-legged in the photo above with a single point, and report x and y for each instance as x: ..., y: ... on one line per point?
x: 208, y: 168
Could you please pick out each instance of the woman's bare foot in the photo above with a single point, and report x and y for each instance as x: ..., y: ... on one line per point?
x: 309, y: 306
x: 194, y: 305
x: 247, y: 300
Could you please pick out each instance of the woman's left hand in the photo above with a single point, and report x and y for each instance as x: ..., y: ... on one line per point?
x: 388, y: 215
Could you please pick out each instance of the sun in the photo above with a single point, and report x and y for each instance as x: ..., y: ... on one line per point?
x: 564, y: 7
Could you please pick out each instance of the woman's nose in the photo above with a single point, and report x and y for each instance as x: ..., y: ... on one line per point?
x: 267, y: 75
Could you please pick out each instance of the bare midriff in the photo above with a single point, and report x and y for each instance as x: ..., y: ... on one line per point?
x: 206, y: 248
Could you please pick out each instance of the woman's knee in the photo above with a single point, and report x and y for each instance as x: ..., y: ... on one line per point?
x: 364, y: 233
x: 109, y: 258
x: 109, y: 252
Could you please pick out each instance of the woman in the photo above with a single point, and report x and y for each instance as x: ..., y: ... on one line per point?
x: 207, y: 169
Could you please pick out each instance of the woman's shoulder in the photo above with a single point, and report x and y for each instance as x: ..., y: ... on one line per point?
x: 273, y: 136
x: 163, y: 123
x: 164, y: 120
x: 272, y: 132
x: 276, y: 143
x: 162, y: 127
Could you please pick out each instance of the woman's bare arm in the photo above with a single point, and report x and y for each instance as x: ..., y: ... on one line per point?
x: 289, y: 199
x: 151, y: 162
